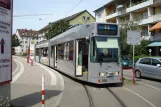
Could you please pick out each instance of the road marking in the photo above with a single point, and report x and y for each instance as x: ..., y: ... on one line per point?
x: 53, y: 77
x: 19, y: 73
x: 13, y: 73
x: 140, y: 97
x: 150, y: 86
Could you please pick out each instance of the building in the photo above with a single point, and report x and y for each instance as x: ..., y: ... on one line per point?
x: 145, y: 12
x: 82, y: 17
x: 25, y: 36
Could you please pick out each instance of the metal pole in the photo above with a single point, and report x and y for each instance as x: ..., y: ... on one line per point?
x: 133, y: 64
x: 43, y: 91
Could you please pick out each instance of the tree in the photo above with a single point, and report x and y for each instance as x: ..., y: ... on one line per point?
x: 15, y: 41
x: 57, y: 28
x: 127, y: 49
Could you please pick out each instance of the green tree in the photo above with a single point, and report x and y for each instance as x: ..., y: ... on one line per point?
x: 56, y: 29
x: 124, y: 27
x: 15, y: 41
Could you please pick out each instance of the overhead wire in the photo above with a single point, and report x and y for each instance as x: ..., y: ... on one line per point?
x: 74, y: 7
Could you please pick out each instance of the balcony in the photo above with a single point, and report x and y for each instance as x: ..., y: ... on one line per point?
x: 156, y: 1
x: 139, y: 5
x: 156, y: 37
x: 112, y: 15
x: 122, y: 12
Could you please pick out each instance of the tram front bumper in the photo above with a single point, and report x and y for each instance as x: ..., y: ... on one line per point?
x: 106, y: 80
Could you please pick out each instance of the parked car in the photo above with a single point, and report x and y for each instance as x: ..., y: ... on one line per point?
x: 148, y: 67
x: 126, y: 62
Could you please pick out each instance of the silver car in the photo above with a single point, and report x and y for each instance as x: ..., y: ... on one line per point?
x: 148, y: 67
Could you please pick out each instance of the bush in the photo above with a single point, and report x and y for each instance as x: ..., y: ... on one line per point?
x: 141, y: 56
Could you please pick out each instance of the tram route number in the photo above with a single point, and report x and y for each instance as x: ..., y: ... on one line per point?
x: 104, y: 80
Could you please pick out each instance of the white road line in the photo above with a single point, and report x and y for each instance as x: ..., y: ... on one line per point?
x: 140, y: 97
x: 53, y: 77
x: 157, y: 89
x: 19, y: 73
x: 13, y: 73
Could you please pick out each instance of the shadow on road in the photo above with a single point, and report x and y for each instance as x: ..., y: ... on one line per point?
x: 34, y: 98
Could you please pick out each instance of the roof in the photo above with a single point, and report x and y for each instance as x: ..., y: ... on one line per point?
x: 25, y: 32
x: 111, y: 1
x: 66, y: 19
x: 154, y: 44
x: 156, y: 26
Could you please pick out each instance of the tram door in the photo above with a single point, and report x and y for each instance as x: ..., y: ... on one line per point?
x: 55, y: 56
x: 78, y: 58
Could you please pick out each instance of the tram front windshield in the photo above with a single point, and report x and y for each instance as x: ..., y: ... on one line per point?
x: 104, y: 49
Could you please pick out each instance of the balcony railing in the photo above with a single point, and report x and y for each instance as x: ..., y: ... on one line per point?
x: 157, y: 1
x: 139, y: 2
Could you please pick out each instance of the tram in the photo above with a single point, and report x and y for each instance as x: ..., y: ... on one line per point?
x: 89, y: 52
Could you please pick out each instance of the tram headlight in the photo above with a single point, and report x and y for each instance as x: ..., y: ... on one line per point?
x: 101, y: 74
x: 117, y: 73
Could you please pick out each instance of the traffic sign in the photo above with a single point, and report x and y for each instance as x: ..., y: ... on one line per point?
x: 133, y: 37
x: 6, y: 11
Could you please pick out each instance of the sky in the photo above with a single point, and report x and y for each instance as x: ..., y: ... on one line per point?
x: 58, y: 8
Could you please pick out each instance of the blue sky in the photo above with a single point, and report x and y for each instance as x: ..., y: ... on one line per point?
x: 59, y: 8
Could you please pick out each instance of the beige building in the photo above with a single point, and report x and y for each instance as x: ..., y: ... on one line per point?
x: 145, y: 12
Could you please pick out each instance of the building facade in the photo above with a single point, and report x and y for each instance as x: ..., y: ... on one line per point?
x: 145, y: 12
x: 25, y: 36
x: 82, y: 17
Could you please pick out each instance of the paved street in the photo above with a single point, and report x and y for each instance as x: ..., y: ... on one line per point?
x: 26, y: 84
x: 26, y: 89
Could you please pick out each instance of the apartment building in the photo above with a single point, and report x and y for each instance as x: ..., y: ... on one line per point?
x: 145, y: 12
x: 25, y: 36
x: 82, y: 17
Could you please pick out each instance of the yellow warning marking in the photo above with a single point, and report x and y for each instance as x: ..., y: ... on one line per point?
x: 85, y: 72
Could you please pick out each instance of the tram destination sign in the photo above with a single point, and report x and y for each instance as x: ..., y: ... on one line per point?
x: 6, y: 11
x: 107, y: 29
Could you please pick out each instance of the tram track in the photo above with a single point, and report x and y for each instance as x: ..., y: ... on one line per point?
x: 89, y: 96
x: 116, y: 97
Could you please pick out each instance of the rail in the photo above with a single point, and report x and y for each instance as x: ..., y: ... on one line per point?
x: 89, y: 96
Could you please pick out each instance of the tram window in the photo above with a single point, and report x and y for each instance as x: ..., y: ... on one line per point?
x: 61, y: 51
x: 37, y: 52
x: 69, y: 51
x: 52, y: 51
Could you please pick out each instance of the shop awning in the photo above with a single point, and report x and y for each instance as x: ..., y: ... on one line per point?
x: 154, y: 44
x: 156, y: 26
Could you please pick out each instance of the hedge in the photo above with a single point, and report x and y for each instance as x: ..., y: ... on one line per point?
x: 141, y: 56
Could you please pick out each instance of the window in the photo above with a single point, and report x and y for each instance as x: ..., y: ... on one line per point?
x: 145, y: 15
x: 146, y: 61
x: 22, y: 46
x: 155, y: 62
x: 88, y: 18
x: 61, y: 51
x: 84, y: 18
x: 26, y: 41
x: 104, y: 49
x: 99, y: 13
x: 69, y: 50
x: 26, y: 46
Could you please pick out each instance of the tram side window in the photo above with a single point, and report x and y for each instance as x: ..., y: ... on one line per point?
x: 45, y: 52
x: 52, y: 51
x: 69, y: 50
x: 37, y: 52
x: 61, y: 51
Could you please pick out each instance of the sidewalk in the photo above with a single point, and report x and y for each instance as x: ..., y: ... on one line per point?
x: 26, y: 84
x: 128, y: 74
